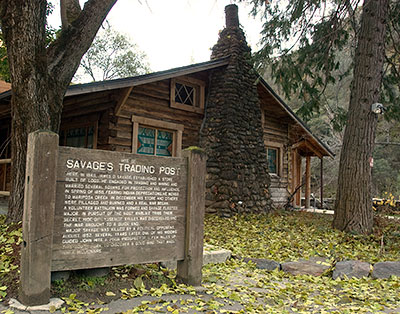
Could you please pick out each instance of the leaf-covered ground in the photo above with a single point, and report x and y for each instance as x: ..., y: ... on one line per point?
x: 286, y: 236
x: 235, y: 286
x: 10, y: 240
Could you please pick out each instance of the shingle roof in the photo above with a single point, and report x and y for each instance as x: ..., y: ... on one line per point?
x: 86, y: 88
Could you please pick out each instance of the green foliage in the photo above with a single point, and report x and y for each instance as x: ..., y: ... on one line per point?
x: 386, y: 170
x: 112, y: 55
x: 4, y: 70
x: 303, y: 43
x: 88, y: 283
x: 391, y: 80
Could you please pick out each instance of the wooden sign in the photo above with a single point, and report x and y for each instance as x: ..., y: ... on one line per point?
x: 116, y: 208
x: 90, y: 208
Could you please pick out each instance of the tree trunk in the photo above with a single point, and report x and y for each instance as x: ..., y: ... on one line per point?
x: 39, y: 75
x: 23, y: 24
x: 353, y: 208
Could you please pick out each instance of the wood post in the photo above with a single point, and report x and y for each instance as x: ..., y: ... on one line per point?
x: 189, y: 269
x: 322, y: 183
x: 297, y: 198
x: 38, y: 219
x: 308, y: 182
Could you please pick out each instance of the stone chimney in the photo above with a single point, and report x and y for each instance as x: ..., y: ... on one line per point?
x: 237, y: 177
x: 231, y: 16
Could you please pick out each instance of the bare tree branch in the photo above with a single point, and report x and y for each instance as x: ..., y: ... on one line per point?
x: 70, y: 10
x: 65, y: 53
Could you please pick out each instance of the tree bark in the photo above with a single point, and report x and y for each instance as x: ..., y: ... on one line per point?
x: 353, y: 208
x: 40, y: 76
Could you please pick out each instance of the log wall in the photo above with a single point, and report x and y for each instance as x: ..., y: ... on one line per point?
x: 151, y: 101
x: 276, y: 131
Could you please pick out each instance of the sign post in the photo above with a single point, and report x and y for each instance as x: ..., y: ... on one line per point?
x: 38, y: 218
x: 189, y: 269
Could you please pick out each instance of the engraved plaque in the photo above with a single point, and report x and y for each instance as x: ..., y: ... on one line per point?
x: 117, y: 208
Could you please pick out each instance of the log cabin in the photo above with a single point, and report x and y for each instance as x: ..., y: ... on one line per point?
x: 254, y: 141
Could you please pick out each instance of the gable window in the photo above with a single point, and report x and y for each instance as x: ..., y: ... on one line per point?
x: 187, y: 94
x: 155, y: 137
x: 82, y: 136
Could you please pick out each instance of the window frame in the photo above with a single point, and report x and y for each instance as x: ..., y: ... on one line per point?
x: 7, y: 147
x: 77, y: 125
x: 198, y: 98
x: 279, y: 158
x: 174, y: 128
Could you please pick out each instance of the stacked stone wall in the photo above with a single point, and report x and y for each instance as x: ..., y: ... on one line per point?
x: 237, y: 177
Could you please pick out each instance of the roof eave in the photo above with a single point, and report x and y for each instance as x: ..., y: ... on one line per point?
x: 295, y: 117
x: 144, y: 79
x: 86, y: 88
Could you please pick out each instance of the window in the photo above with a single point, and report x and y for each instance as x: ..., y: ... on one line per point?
x: 84, y: 137
x: 272, y: 156
x: 187, y: 94
x: 275, y: 157
x: 5, y: 140
x: 154, y: 142
x: 5, y: 153
x: 155, y: 137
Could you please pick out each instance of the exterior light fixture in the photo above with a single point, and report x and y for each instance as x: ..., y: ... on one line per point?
x: 377, y: 108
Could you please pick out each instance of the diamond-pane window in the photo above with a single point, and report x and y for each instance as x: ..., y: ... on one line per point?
x: 187, y: 93
x: 184, y: 94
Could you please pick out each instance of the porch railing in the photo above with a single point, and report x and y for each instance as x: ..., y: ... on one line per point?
x: 4, y: 163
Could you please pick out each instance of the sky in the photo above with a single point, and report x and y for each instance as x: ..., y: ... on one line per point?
x: 175, y: 33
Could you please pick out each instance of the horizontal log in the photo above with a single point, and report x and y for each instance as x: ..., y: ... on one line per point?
x: 121, y: 148
x: 87, y: 110
x: 120, y: 127
x: 5, y: 161
x: 152, y: 92
x: 120, y: 141
x: 124, y: 135
x: 84, y: 99
x: 135, y: 99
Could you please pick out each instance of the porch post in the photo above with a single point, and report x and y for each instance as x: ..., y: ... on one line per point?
x: 322, y: 182
x: 298, y: 180
x: 308, y: 182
